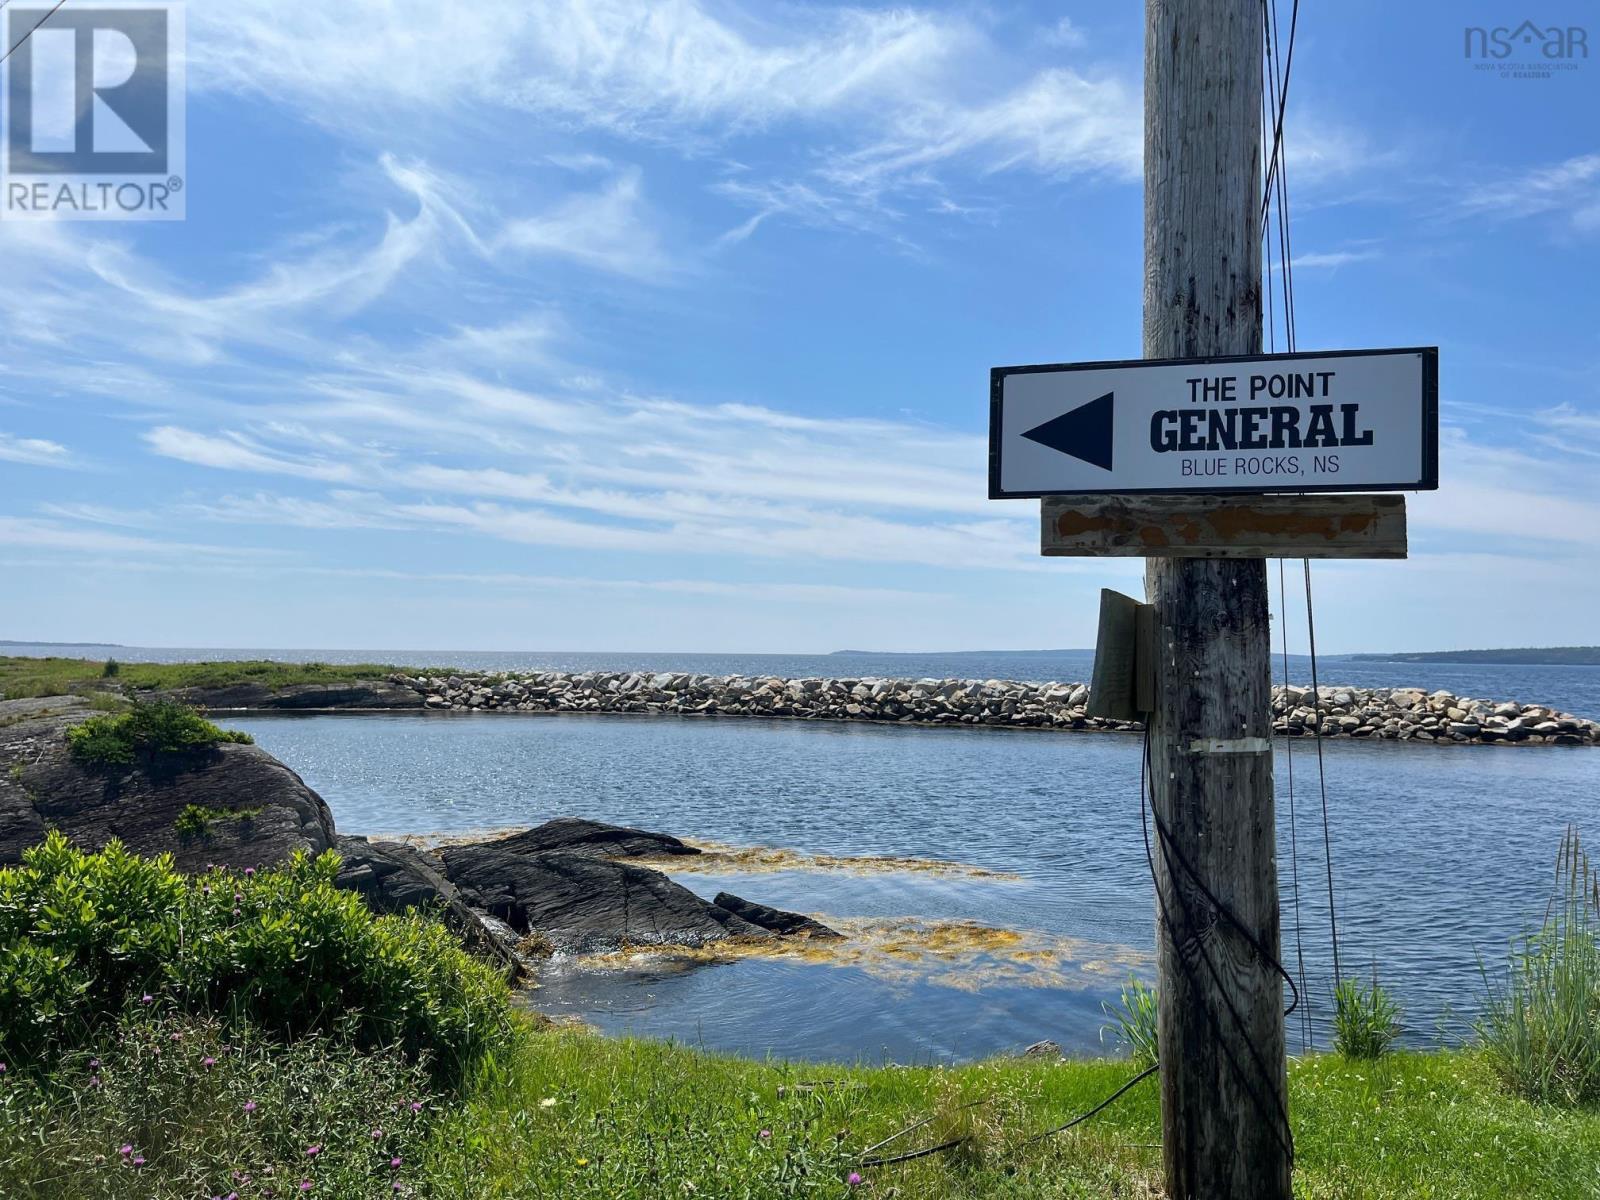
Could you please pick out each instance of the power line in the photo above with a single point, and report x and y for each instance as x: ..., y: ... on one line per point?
x: 54, y: 9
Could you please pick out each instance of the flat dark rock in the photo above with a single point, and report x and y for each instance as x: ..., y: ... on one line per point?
x: 574, y: 835
x: 584, y: 903
x: 392, y: 878
x: 789, y: 924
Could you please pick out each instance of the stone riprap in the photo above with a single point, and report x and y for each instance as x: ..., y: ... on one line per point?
x: 1389, y: 714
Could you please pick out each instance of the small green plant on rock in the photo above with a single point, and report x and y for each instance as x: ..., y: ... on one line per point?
x: 1365, y: 1020
x: 146, y: 730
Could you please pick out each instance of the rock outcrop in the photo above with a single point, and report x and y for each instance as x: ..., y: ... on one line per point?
x: 584, y: 903
x: 255, y: 810
x: 1383, y: 714
x: 575, y: 835
x: 301, y: 697
x: 775, y: 919
x: 392, y: 878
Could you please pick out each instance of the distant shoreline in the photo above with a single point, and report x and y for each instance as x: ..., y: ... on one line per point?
x: 1547, y: 656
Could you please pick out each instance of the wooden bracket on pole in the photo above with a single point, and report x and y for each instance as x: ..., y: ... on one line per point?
x: 1278, y: 526
x: 1123, y: 686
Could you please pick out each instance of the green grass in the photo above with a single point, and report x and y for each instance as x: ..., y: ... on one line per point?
x: 642, y: 1119
x: 1365, y: 1020
x: 1541, y: 1026
x: 571, y: 1114
x: 27, y: 677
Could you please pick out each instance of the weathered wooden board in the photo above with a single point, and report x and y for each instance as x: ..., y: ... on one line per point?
x: 1324, y: 526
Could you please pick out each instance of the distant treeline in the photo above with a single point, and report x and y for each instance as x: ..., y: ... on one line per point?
x: 1587, y: 656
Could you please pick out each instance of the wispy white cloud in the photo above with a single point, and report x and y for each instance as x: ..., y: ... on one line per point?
x: 1569, y: 189
x: 607, y: 229
x: 1330, y: 259
x: 34, y: 452
x: 59, y: 535
x: 235, y: 452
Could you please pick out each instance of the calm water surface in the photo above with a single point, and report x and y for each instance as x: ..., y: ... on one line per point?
x: 1440, y: 855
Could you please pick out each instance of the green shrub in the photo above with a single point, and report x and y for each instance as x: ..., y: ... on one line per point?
x: 85, y: 937
x: 111, y: 669
x: 196, y: 820
x: 1134, y: 1020
x: 1541, y: 1031
x: 146, y: 730
x: 208, y: 1110
x: 1365, y: 1020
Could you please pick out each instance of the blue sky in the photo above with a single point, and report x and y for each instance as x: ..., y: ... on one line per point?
x: 667, y: 326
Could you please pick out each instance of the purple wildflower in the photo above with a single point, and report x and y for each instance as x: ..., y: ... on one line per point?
x: 138, y: 1160
x: 313, y: 1151
x: 208, y: 1061
x: 395, y: 1161
x: 854, y: 1179
x: 94, y: 1081
x: 146, y: 998
x: 377, y: 1134
x: 416, y: 1106
x: 305, y: 1185
x: 249, y: 872
x: 125, y: 1151
x: 765, y: 1134
x: 94, y: 1065
x: 249, y: 1106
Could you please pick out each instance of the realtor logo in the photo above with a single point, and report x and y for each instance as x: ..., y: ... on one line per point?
x: 94, y: 115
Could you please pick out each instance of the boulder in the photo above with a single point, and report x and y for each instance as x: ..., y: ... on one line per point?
x: 393, y: 878
x: 583, y: 903
x: 575, y: 835
x: 776, y: 920
x: 256, y: 811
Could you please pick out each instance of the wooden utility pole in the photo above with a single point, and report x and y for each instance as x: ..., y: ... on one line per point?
x: 1224, y: 1105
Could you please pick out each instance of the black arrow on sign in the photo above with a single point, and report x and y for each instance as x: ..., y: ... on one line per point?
x: 1084, y: 433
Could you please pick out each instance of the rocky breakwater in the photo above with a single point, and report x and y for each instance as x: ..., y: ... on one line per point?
x: 1387, y: 714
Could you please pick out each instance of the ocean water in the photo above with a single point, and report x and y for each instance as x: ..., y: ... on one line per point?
x: 1441, y: 856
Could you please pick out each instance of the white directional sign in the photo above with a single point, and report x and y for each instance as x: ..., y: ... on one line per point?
x: 1339, y: 421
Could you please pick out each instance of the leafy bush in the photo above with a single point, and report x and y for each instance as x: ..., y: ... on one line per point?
x: 1365, y: 1020
x: 1542, y: 1030
x: 1134, y: 1019
x: 147, y: 729
x: 181, y: 1106
x: 111, y: 668
x: 85, y: 937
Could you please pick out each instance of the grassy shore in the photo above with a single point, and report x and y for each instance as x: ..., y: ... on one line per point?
x: 30, y: 677
x: 562, y: 1113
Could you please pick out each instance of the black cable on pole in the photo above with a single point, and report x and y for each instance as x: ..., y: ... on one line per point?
x: 1322, y: 774
x: 1277, y: 1112
x: 1306, y: 1040
x: 11, y: 49
x: 1283, y: 94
